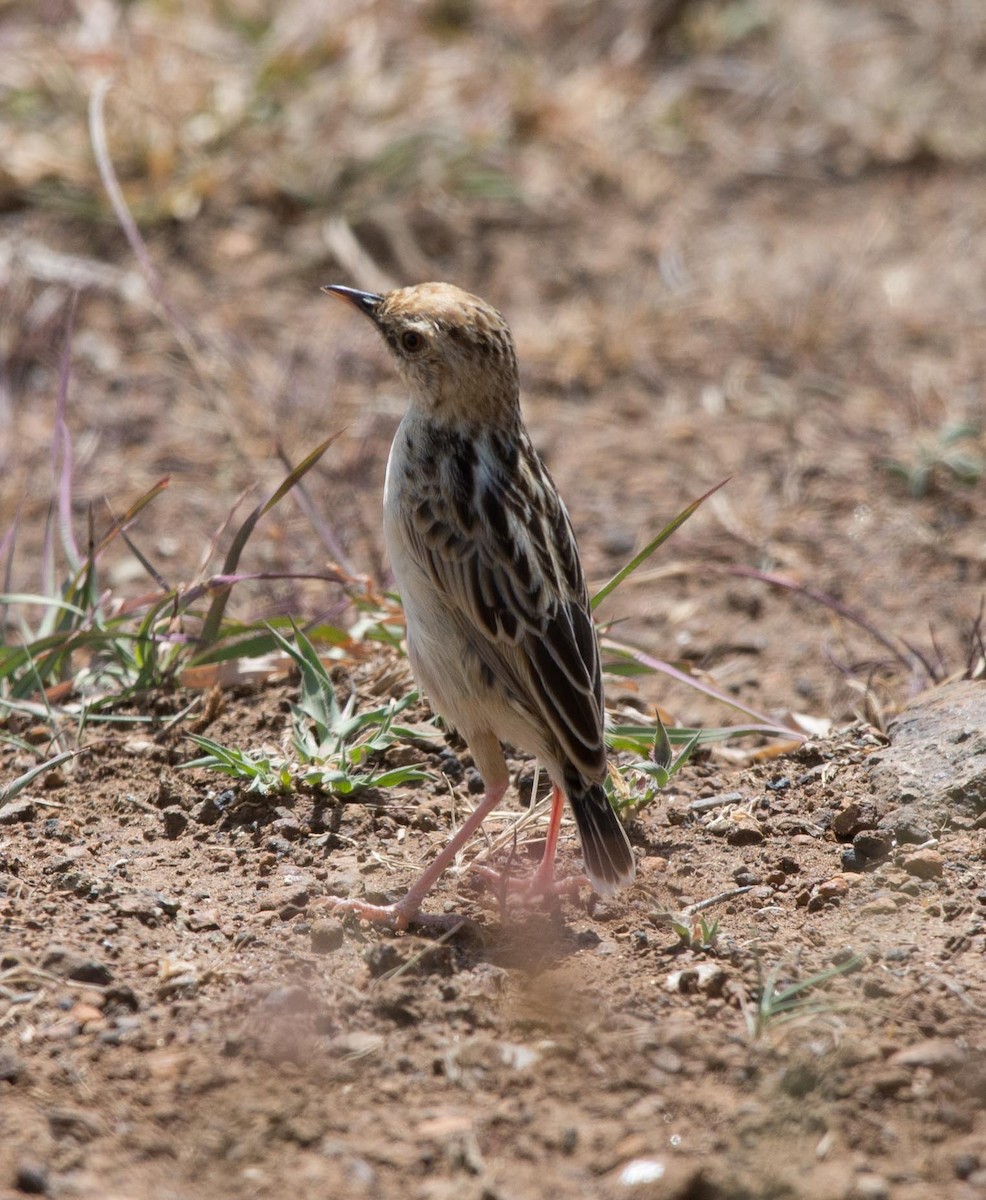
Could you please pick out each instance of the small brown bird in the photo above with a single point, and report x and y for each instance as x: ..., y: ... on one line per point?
x: 499, y: 633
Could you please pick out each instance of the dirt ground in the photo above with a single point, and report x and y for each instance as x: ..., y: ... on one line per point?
x: 735, y: 239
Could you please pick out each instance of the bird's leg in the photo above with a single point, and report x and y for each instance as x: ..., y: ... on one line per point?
x: 542, y: 882
x: 402, y: 912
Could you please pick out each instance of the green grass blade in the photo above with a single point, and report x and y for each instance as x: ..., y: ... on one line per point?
x: 213, y: 620
x: 651, y: 546
x: 21, y: 782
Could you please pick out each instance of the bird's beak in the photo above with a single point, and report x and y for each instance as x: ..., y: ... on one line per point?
x: 366, y: 302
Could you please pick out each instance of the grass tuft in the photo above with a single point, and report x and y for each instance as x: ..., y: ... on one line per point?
x: 335, y: 745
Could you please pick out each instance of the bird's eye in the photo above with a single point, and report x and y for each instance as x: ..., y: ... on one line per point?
x: 412, y: 341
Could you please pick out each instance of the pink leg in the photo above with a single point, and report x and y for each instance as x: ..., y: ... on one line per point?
x: 490, y: 763
x: 543, y: 882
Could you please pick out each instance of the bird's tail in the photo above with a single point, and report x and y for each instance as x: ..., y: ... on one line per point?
x: 609, y: 861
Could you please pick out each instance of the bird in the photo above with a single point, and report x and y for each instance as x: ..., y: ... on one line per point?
x: 499, y: 632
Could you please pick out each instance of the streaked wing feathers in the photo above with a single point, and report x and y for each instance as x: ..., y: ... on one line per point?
x: 514, y: 578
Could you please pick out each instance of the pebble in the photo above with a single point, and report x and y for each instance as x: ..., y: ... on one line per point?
x: 880, y: 906
x: 147, y: 907
x: 965, y: 1165
x: 69, y: 964
x: 852, y: 819
x: 830, y: 891
x: 202, y: 919
x: 707, y: 978
x: 73, y: 1122
x: 327, y: 935
x: 872, y: 844
x: 17, y: 812
x: 175, y: 821
x: 925, y: 864
x: 31, y: 1178
x: 908, y: 826
x: 11, y: 1067
x: 642, y: 1170
x: 207, y: 811
x: 938, y: 1054
x: 745, y: 833
x: 870, y: 1187
x: 853, y: 863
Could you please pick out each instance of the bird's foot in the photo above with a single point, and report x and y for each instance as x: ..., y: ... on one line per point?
x: 533, y: 887
x: 399, y: 915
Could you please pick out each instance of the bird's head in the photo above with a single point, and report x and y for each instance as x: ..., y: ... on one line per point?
x: 453, y: 351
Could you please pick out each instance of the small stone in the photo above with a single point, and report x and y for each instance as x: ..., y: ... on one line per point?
x: 853, y: 818
x: 908, y: 826
x: 285, y: 826
x: 852, y: 863
x: 31, y: 1178
x: 326, y: 935
x: 141, y: 747
x: 175, y: 821
x: 870, y: 1187
x: 86, y: 1015
x: 642, y: 1171
x: 708, y: 979
x: 11, y: 1067
x: 290, y: 897
x: 880, y: 906
x: 69, y: 964
x: 449, y: 765
x: 924, y: 864
x: 872, y: 845
x: 72, y: 1122
x: 938, y: 1054
x: 17, y: 812
x: 748, y: 833
x: 207, y: 811
x: 830, y: 891
x: 889, y: 1083
x: 202, y: 919
x: 147, y: 907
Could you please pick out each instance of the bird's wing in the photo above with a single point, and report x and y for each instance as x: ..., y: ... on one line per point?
x: 499, y: 544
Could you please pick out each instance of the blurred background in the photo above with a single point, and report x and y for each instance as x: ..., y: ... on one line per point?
x: 736, y: 238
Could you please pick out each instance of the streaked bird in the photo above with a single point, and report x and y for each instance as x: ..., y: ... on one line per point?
x: 499, y: 632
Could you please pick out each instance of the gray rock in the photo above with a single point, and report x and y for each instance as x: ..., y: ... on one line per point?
x: 11, y: 1067
x: 175, y: 821
x: 69, y: 964
x: 908, y: 825
x: 17, y: 812
x: 871, y: 844
x: 148, y: 907
x: 935, y: 764
x: 31, y: 1178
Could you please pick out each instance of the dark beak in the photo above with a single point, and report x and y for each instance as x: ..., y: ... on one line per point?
x: 366, y: 302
